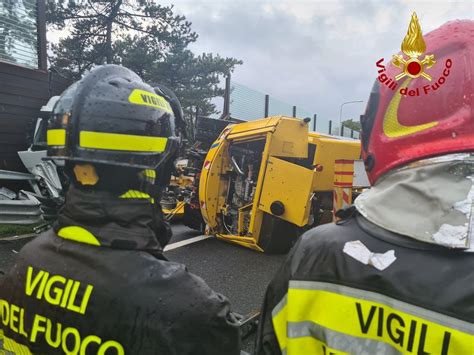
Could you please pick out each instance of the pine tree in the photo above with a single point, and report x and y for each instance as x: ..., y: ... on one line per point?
x: 142, y: 35
x: 351, y: 124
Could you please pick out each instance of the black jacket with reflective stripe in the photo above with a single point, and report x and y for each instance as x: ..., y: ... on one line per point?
x: 424, y: 280
x: 67, y: 295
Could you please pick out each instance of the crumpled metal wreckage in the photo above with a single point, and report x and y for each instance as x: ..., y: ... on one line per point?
x: 31, y: 207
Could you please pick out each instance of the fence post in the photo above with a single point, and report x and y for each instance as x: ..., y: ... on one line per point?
x: 267, y: 104
x: 226, y: 110
x: 294, y: 111
x: 314, y: 122
x: 42, y: 49
x: 352, y: 133
x: 330, y: 127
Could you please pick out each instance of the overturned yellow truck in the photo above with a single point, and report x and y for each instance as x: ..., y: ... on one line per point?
x: 264, y: 182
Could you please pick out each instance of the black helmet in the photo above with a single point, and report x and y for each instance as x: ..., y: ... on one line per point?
x: 112, y: 117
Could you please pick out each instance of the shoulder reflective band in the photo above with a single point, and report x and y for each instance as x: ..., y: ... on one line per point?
x: 146, y: 98
x: 318, y: 318
x: 136, y: 194
x: 56, y: 137
x: 150, y: 173
x: 10, y: 346
x: 128, y: 142
x: 78, y: 234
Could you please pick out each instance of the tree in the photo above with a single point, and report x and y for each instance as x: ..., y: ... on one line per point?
x: 351, y: 124
x: 146, y: 37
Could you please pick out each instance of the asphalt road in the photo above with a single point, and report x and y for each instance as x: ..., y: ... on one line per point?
x: 9, y: 247
x: 238, y: 273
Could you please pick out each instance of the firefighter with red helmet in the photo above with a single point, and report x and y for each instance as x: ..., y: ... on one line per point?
x: 98, y: 283
x: 395, y: 275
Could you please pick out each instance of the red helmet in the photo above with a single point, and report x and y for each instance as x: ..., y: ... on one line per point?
x: 420, y: 118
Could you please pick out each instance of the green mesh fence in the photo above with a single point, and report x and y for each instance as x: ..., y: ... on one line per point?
x: 277, y: 107
x: 249, y: 104
x: 245, y: 103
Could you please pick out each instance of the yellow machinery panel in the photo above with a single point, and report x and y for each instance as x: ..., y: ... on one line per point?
x: 250, y: 195
x: 287, y: 134
x: 328, y: 150
x: 288, y: 184
x: 288, y: 139
x: 256, y: 127
x: 211, y: 186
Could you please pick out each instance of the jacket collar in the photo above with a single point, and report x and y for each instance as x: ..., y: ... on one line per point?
x: 120, y: 223
x: 430, y: 201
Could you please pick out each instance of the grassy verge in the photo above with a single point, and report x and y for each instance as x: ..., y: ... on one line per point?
x: 8, y: 230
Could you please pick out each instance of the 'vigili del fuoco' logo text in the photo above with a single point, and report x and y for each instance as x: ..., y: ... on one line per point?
x: 413, y: 46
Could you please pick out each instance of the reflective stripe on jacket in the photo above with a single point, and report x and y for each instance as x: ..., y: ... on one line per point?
x: 323, y: 301
x: 100, y: 285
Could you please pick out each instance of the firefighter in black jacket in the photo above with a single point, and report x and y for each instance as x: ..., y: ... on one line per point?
x: 98, y: 282
x: 396, y: 274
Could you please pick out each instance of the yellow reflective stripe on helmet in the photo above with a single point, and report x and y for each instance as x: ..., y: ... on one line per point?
x: 392, y: 127
x: 78, y: 234
x: 146, y: 98
x: 56, y: 137
x: 351, y: 320
x: 128, y: 142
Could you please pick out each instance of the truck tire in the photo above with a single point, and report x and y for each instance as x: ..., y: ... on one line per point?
x: 276, y: 235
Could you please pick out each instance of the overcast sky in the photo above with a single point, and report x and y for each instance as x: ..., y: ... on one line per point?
x: 313, y: 54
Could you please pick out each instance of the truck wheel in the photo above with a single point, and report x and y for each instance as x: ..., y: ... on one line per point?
x: 276, y: 235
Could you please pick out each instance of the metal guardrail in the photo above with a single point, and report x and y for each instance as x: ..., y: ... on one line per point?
x: 22, y: 211
x: 26, y: 209
x: 31, y: 207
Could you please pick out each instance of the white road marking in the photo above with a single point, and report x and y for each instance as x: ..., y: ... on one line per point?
x: 172, y: 246
x: 182, y: 243
x: 18, y: 237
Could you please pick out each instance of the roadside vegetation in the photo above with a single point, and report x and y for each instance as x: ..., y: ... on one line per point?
x: 10, y: 230
x: 144, y: 36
